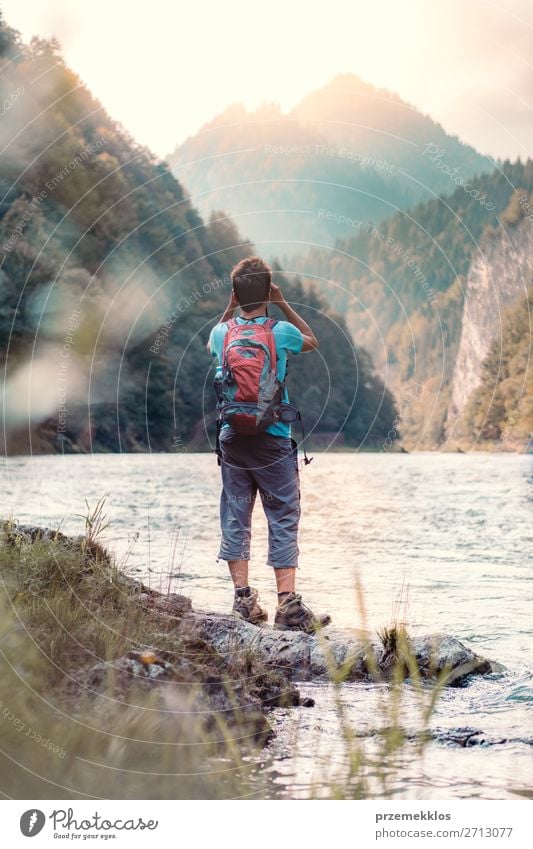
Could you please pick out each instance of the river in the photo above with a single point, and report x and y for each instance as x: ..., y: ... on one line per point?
x: 439, y: 541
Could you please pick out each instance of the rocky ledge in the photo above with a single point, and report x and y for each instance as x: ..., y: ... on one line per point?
x: 331, y: 654
x: 279, y: 657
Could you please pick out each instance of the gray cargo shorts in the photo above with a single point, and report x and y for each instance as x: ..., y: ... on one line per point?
x: 268, y: 465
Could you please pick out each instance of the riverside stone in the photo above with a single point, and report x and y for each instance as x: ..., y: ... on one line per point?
x: 338, y: 654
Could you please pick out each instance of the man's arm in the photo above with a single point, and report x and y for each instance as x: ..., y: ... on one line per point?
x: 229, y: 312
x: 310, y: 340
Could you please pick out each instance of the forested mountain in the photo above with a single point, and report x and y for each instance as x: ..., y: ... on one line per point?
x: 349, y: 149
x: 401, y: 285
x: 110, y: 282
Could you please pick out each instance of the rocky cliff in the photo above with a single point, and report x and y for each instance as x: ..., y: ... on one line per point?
x: 499, y: 276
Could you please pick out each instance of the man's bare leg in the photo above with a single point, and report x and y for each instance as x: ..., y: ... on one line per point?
x: 285, y: 581
x: 239, y: 572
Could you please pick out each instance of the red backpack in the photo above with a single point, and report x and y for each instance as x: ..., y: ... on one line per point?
x: 248, y: 389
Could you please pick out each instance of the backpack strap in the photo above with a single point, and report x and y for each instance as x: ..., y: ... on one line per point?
x: 270, y: 323
x: 218, y: 450
x: 230, y: 325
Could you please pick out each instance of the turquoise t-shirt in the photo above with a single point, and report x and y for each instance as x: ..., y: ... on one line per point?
x: 288, y: 339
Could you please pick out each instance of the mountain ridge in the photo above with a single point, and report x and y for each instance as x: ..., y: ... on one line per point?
x: 348, y: 146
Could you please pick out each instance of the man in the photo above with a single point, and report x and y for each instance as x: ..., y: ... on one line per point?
x: 265, y: 462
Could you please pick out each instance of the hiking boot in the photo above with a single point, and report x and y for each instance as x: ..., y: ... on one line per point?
x: 293, y: 615
x: 246, y: 606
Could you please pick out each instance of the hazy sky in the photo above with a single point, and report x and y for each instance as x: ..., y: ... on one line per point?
x: 164, y: 68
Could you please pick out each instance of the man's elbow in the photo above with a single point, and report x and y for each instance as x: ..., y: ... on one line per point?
x: 310, y: 344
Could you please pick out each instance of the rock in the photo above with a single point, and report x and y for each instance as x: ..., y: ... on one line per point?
x: 174, y: 604
x: 211, y: 695
x: 17, y: 533
x: 124, y: 669
x: 445, y: 656
x: 334, y: 653
x: 468, y: 737
x: 308, y: 702
x: 463, y: 738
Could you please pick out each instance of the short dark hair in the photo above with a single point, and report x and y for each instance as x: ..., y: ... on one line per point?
x: 251, y: 280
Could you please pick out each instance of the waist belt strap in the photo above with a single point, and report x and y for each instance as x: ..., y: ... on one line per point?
x: 307, y: 459
x: 218, y: 450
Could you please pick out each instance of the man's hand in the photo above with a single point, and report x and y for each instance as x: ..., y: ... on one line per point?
x: 231, y: 307
x: 276, y: 295
x: 310, y: 342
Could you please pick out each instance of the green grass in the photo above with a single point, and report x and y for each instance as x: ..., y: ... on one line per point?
x: 63, y: 609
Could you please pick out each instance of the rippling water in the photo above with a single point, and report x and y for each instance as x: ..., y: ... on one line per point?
x: 442, y: 541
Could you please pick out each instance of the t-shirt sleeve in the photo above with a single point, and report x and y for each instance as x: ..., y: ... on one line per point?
x: 289, y: 337
x: 216, y: 339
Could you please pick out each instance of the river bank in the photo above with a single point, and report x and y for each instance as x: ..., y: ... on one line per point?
x: 107, y: 642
